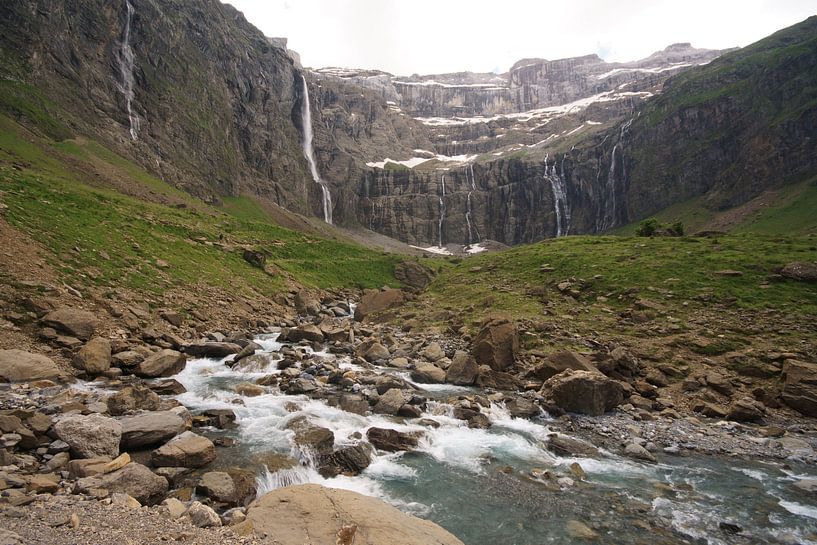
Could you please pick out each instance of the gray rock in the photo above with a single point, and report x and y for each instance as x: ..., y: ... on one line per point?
x: 76, y: 322
x: 162, y: 364
x: 90, y: 436
x: 22, y: 366
x: 94, y: 357
x: 463, y: 369
x: 185, y: 450
x: 149, y: 428
x: 134, y: 479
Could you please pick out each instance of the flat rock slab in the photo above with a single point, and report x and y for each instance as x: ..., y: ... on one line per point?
x: 314, y: 514
x: 22, y: 366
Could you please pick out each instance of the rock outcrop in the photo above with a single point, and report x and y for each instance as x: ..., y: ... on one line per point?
x: 800, y: 386
x: 585, y: 392
x: 312, y: 513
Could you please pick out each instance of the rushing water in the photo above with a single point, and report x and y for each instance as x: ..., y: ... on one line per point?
x: 486, y: 486
x: 309, y: 153
x: 472, y: 186
x: 125, y: 59
x: 442, y: 209
x: 561, y: 208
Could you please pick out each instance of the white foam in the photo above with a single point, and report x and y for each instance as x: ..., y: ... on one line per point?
x: 799, y: 509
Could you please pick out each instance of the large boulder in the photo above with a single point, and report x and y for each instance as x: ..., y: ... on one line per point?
x: 391, y: 401
x: 306, y: 332
x: 555, y: 363
x: 91, y: 436
x: 215, y: 350
x: 349, y: 460
x: 232, y: 487
x: 163, y: 363
x: 314, y: 514
x: 311, y: 437
x: 134, y: 480
x: 585, y: 392
x: 800, y: 386
x: 496, y: 344
x: 378, y: 301
x: 132, y: 398
x: 22, y: 366
x: 800, y: 270
x: 413, y: 274
x: 428, y: 373
x: 306, y: 304
x: 94, y: 357
x: 150, y: 428
x: 463, y: 369
x: 391, y: 440
x: 76, y: 322
x: 185, y: 450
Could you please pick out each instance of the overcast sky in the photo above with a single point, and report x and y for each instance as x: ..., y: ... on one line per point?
x: 434, y: 36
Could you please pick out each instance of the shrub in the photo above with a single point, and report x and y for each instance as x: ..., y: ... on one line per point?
x: 647, y: 227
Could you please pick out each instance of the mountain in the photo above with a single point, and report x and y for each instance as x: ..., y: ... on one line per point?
x: 193, y: 93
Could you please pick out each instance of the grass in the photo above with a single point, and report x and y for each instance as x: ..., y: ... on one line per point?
x: 99, y: 236
x: 609, y: 273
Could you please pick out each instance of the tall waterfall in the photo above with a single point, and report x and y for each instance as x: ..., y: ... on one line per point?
x: 472, y: 186
x: 309, y: 153
x: 442, y: 210
x: 609, y: 215
x: 558, y: 186
x: 125, y: 58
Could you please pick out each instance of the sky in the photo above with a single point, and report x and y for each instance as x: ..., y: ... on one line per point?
x: 407, y: 37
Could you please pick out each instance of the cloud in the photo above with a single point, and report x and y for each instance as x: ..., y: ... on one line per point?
x: 434, y: 36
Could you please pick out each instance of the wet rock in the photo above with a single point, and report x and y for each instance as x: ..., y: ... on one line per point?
x: 579, y: 530
x: 496, y: 344
x: 90, y: 436
x: 299, y: 386
x: 215, y: 350
x: 132, y: 398
x: 164, y: 363
x: 463, y: 369
x: 428, y: 373
x: 94, y: 357
x: 391, y: 401
x: 729, y: 528
x: 391, y: 440
x: 375, y: 352
x: 354, y: 403
x: 348, y: 460
x: 245, y: 352
x: 583, y: 392
x: 150, y: 428
x: 202, y: 516
x: 377, y: 301
x: 498, y: 380
x: 22, y: 366
x: 311, y: 437
x: 807, y: 485
x: 233, y: 487
x: 75, y: 322
x: 306, y: 332
x: 801, y: 271
x: 800, y: 386
x: 134, y: 479
x: 185, y: 450
x: 522, y: 408
x: 248, y: 389
x: 384, y: 383
x: 561, y: 361
x: 314, y: 514
x: 636, y: 451
x: 168, y: 387
x: 222, y: 419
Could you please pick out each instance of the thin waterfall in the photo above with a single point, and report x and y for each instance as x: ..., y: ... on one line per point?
x: 472, y: 186
x: 309, y: 153
x: 442, y: 210
x: 609, y: 216
x: 125, y: 58
x: 558, y: 186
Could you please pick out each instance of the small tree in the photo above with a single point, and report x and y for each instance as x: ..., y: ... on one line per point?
x: 647, y: 227
x: 678, y: 228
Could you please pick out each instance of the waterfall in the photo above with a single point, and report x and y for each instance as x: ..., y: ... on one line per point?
x: 125, y: 58
x: 558, y: 186
x: 309, y: 153
x: 609, y: 216
x: 472, y: 186
x: 442, y: 211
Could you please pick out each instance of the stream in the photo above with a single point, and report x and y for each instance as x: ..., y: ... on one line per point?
x: 490, y: 485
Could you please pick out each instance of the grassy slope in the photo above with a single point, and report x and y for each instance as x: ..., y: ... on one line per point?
x: 98, y: 235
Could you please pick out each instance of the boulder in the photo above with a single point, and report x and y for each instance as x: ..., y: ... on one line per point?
x: 800, y: 270
x: 185, y: 450
x: 413, y: 274
x: 521, y: 407
x: 636, y: 451
x: 314, y: 514
x: 391, y: 401
x: 498, y: 380
x: 164, y: 363
x: 557, y: 362
x: 90, y: 436
x: 375, y: 352
x: 202, y: 516
x: 132, y: 398
x: 233, y: 487
x: 248, y: 389
x: 87, y: 467
x: 306, y: 332
x: 22, y: 366
x: 433, y: 352
x: 391, y: 440
x: 134, y: 479
x: 349, y: 460
x: 306, y: 304
x: 378, y: 301
x: 311, y: 437
x: 95, y: 357
x: 216, y: 350
x: 428, y: 373
x: 583, y: 392
x: 150, y: 428
x: 564, y: 445
x: 75, y: 322
x: 463, y: 369
x: 719, y: 383
x: 496, y: 344
x: 746, y: 410
x: 800, y: 386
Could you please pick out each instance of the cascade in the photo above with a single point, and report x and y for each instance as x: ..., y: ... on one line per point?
x: 472, y: 186
x: 609, y: 214
x: 309, y: 153
x: 558, y: 186
x: 442, y: 210
x: 126, y: 70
